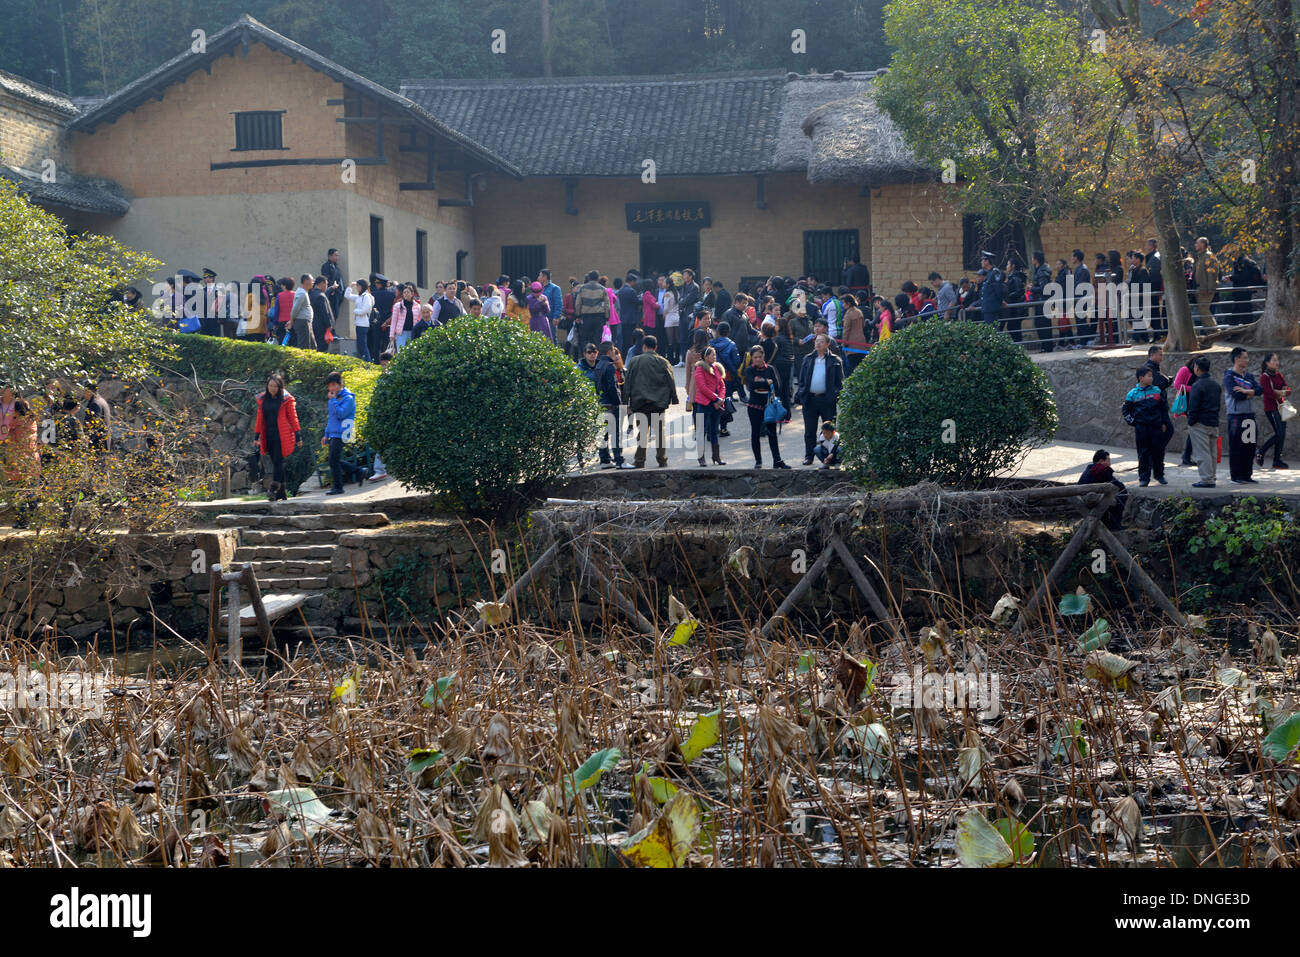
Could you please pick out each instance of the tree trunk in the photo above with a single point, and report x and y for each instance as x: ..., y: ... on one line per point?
x: 1280, y: 323
x: 67, y: 52
x: 1178, y: 310
x: 546, y: 38
x: 1033, y: 240
x: 1127, y: 17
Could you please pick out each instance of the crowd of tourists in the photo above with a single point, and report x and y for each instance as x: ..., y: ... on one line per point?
x: 1068, y: 305
x: 782, y: 343
x: 35, y: 430
x: 1198, y: 397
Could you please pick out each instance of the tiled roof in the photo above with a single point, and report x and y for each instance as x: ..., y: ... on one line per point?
x: 25, y: 89
x: 81, y: 193
x: 608, y: 126
x: 241, y: 33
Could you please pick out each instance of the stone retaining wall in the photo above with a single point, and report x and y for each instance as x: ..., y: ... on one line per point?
x: 1090, y: 390
x: 430, y: 568
x: 87, y: 591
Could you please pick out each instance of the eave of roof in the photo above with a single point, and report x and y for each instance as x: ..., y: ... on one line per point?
x: 240, y: 34
x: 78, y: 193
x: 36, y: 93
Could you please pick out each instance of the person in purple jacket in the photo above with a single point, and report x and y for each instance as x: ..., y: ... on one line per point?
x: 539, y: 311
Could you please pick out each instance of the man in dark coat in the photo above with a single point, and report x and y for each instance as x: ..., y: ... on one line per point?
x: 333, y: 281
x: 993, y: 289
x: 651, y: 388
x: 322, y: 312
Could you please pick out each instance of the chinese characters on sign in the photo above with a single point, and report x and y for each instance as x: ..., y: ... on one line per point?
x: 688, y: 215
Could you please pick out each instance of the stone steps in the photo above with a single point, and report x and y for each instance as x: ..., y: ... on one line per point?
x: 286, y: 553
x: 297, y: 551
x: 289, y: 582
x: 266, y: 568
x: 285, y: 536
x: 321, y: 521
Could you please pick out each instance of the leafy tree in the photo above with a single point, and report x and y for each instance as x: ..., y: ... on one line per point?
x: 901, y: 423
x: 96, y: 45
x: 1010, y: 92
x: 483, y: 411
x: 1140, y: 55
x: 1244, y: 129
x: 58, y: 314
x: 62, y: 323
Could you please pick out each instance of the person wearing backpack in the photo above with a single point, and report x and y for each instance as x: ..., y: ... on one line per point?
x: 1144, y: 409
x: 591, y: 311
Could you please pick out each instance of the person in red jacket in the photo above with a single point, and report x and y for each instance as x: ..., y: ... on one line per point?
x: 1276, y: 391
x: 277, y: 430
x: 710, y: 393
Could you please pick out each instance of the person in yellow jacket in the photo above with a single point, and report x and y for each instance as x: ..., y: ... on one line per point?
x: 255, y: 306
x: 1206, y: 274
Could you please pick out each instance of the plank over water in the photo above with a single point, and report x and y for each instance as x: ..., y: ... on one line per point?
x: 277, y: 606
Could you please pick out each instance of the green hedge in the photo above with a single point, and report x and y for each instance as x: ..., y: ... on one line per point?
x: 484, y: 412
x: 304, y: 372
x: 949, y: 402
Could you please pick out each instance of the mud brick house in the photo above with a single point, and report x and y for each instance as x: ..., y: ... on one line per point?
x: 255, y: 154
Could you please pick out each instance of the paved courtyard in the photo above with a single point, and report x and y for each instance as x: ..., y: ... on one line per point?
x: 1056, y: 462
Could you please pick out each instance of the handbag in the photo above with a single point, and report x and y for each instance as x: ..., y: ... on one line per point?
x: 1180, y: 404
x: 1286, y: 410
x: 329, y: 336
x: 775, y: 411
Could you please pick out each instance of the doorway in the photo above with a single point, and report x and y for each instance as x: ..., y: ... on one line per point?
x: 669, y: 252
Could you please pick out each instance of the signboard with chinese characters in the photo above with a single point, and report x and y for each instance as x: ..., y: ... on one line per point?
x: 683, y: 215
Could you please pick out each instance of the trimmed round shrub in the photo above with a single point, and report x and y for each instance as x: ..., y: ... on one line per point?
x: 483, y: 412
x: 948, y: 402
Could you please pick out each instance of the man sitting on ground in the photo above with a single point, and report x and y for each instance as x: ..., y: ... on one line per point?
x: 1100, y: 471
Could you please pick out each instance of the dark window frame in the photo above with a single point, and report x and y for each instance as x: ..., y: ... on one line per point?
x: 975, y: 238
x: 421, y: 259
x: 260, y: 129
x: 537, y: 255
x: 376, y: 244
x: 834, y: 270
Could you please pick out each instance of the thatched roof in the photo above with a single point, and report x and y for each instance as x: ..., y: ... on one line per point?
x: 853, y: 140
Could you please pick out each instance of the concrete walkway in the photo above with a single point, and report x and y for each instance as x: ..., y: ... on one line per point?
x: 1056, y: 462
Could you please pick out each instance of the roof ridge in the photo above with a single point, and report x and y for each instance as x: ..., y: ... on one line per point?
x: 247, y: 28
x: 631, y: 79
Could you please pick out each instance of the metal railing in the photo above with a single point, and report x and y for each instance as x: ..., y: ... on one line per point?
x: 1114, y: 321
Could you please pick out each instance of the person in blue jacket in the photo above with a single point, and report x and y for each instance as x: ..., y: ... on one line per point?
x: 1239, y: 391
x: 729, y: 356
x: 339, y: 426
x: 1144, y: 409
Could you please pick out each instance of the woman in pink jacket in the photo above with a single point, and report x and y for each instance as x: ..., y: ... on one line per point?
x: 406, y: 313
x: 1184, y: 379
x: 649, y: 307
x: 615, y: 323
x: 710, y: 390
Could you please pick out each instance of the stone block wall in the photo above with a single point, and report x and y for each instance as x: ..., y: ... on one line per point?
x: 29, y: 129
x: 116, y: 590
x: 1090, y: 390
